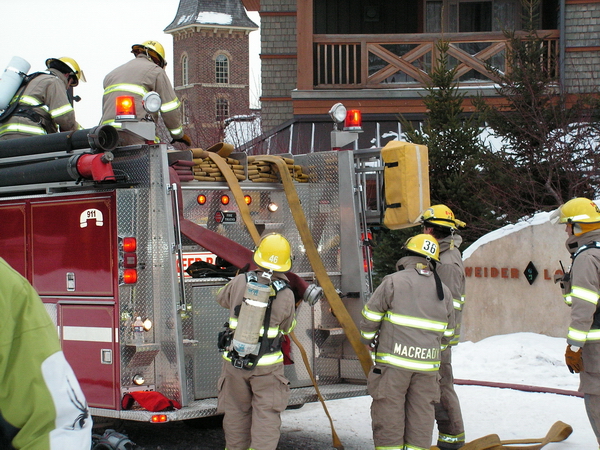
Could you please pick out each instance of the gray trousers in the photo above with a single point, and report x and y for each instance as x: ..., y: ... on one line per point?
x: 402, y: 411
x: 252, y: 401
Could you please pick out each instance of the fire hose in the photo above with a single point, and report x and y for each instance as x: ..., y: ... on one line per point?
x: 338, y: 307
x: 99, y: 139
x: 96, y: 167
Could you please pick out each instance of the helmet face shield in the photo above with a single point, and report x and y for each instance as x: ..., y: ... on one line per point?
x: 441, y: 216
x: 581, y: 212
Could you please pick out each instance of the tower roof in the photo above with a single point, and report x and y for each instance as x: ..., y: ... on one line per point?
x: 211, y: 13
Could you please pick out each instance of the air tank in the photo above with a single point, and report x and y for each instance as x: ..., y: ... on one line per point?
x: 11, y: 80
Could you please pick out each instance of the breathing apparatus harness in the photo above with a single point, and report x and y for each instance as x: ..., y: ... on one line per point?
x: 18, y: 109
x: 267, y: 345
x: 566, y: 278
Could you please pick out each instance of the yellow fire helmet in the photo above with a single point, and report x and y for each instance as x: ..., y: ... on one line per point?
x: 154, y: 49
x: 67, y: 65
x: 580, y: 211
x: 441, y: 216
x: 425, y: 245
x: 274, y: 252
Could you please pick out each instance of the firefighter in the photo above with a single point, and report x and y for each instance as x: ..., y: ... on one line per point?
x: 43, y: 107
x: 253, y: 390
x: 581, y: 285
x: 407, y: 323
x: 143, y: 74
x: 41, y: 403
x: 439, y: 221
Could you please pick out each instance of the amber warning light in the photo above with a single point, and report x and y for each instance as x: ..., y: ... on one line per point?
x: 353, y: 120
x: 125, y: 108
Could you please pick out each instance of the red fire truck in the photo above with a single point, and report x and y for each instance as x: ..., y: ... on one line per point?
x: 105, y: 235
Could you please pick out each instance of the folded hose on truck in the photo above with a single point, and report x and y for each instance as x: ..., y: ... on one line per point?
x: 246, y: 217
x: 340, y: 311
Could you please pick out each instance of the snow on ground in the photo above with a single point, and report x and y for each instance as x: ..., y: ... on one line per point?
x: 520, y: 358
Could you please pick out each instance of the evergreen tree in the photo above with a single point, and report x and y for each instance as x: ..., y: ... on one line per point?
x: 550, y: 145
x: 457, y: 160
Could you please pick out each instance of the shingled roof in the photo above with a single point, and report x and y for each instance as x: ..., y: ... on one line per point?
x: 212, y: 13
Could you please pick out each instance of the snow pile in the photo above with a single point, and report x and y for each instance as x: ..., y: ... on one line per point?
x: 521, y: 358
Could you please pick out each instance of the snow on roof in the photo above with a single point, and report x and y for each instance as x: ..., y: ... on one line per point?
x: 214, y: 18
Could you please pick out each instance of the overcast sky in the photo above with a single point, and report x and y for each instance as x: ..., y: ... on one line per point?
x: 98, y: 35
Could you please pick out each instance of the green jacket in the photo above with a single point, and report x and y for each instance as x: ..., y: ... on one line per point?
x: 41, y: 404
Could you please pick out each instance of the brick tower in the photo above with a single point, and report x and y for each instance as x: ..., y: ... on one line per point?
x: 211, y: 65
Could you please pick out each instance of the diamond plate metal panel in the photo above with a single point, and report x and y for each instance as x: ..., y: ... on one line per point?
x: 146, y: 213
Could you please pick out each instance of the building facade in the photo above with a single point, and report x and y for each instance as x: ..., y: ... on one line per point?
x: 374, y: 55
x: 211, y: 65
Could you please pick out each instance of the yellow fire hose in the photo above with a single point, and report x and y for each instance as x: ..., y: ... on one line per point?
x: 315, y: 260
x: 558, y: 432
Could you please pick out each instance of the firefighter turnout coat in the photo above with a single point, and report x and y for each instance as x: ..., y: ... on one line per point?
x: 41, y: 404
x: 447, y: 412
x: 409, y: 325
x: 44, y: 108
x: 581, y: 292
x: 252, y: 400
x: 138, y: 77
x: 581, y: 288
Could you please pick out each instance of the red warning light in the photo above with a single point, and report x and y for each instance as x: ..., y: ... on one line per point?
x: 125, y: 108
x: 224, y: 199
x: 247, y: 199
x: 353, y: 120
x: 201, y: 199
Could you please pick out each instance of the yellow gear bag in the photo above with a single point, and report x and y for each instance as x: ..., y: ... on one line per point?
x: 406, y: 183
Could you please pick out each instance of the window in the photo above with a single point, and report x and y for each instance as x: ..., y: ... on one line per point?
x: 222, y: 69
x: 469, y: 16
x: 184, y: 70
x: 184, y: 112
x: 222, y: 109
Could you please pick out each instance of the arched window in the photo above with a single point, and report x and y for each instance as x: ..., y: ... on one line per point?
x: 222, y: 69
x: 222, y: 109
x: 184, y: 70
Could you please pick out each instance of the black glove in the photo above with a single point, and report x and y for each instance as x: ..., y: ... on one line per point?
x: 185, y: 139
x: 573, y: 360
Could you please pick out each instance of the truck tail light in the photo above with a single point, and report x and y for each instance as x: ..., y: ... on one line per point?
x: 225, y: 199
x: 159, y: 418
x: 128, y: 260
x: 125, y: 108
x: 129, y: 244
x: 353, y: 120
x: 367, y: 258
x: 201, y: 199
x: 130, y: 276
x: 247, y: 199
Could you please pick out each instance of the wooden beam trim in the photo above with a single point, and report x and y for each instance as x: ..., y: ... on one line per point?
x: 275, y: 99
x: 277, y: 13
x: 583, y: 49
x: 278, y: 56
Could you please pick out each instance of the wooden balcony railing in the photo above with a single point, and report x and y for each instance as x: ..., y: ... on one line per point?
x: 404, y: 60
